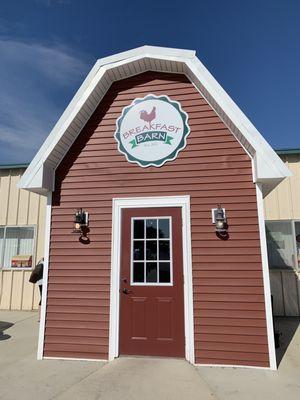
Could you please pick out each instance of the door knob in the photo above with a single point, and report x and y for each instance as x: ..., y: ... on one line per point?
x: 126, y: 291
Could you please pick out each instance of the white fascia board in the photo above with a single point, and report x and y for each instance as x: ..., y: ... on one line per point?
x: 144, y: 51
x: 263, y: 173
x: 141, y: 57
x: 267, y: 183
x: 37, y: 179
x: 271, y: 165
x: 267, y: 165
x: 79, y: 100
x: 42, y: 181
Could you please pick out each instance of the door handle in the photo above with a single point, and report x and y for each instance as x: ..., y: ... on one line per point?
x: 126, y: 291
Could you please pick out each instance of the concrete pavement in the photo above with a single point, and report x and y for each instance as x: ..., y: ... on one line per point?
x: 23, y: 377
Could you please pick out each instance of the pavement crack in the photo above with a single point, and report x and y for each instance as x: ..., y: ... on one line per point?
x: 211, y: 390
x: 24, y: 319
x: 78, y: 381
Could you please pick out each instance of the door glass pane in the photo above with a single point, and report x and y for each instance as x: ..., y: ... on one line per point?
x: 138, y: 229
x: 138, y: 250
x: 151, y: 250
x: 280, y: 243
x: 164, y: 250
x: 151, y: 272
x: 138, y: 272
x: 164, y: 229
x: 151, y: 228
x: 297, y: 229
x: 164, y: 272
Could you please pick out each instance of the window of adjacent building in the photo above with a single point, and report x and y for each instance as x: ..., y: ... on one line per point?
x: 281, y: 244
x: 16, y: 246
x: 1, y: 242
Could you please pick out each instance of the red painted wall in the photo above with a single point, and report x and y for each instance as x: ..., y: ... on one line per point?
x: 229, y: 310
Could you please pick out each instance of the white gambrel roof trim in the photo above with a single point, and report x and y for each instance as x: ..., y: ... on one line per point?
x: 39, y: 177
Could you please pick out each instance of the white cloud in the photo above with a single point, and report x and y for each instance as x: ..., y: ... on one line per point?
x: 36, y: 81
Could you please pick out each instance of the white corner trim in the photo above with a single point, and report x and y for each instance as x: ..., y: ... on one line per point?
x: 266, y: 278
x: 150, y: 202
x: 45, y: 278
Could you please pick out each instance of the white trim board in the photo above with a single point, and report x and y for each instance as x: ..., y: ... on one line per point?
x: 268, y: 168
x: 150, y: 202
x: 266, y: 278
x: 45, y: 278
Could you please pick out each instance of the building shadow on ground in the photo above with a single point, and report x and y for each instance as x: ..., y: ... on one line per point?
x: 3, y: 326
x: 286, y: 327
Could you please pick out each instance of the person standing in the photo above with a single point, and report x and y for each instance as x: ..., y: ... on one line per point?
x: 36, y: 277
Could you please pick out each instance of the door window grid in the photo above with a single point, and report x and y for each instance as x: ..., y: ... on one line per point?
x: 160, y: 261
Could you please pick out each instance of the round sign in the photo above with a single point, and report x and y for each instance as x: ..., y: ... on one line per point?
x: 152, y: 130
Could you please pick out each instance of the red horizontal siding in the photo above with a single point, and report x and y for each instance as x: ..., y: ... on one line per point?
x: 230, y: 326
x: 66, y: 332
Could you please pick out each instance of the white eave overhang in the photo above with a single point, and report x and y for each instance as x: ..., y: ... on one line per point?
x: 269, y: 170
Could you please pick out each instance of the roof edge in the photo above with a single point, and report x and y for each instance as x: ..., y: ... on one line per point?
x: 144, y: 50
x: 14, y: 166
x: 287, y: 151
x: 270, y: 165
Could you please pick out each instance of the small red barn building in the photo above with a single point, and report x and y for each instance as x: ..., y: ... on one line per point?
x: 166, y: 177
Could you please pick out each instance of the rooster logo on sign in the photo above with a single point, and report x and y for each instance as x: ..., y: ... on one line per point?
x: 148, y: 117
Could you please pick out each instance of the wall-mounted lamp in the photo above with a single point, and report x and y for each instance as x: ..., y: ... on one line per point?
x: 81, y: 221
x: 220, y: 220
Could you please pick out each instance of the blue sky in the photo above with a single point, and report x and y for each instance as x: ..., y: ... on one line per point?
x: 47, y: 47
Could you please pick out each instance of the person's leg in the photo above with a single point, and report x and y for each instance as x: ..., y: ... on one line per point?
x: 41, y: 289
